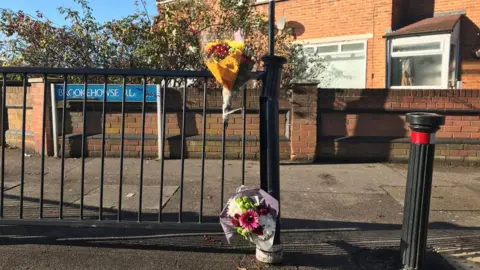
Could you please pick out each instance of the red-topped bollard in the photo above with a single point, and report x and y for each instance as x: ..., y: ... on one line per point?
x: 419, y: 187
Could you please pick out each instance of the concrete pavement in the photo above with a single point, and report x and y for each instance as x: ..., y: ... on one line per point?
x: 336, y: 216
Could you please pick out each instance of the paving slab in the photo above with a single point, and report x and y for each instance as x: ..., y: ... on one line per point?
x: 467, y: 219
x: 51, y: 193
x: 446, y: 175
x: 319, y: 210
x: 150, y: 199
x: 456, y: 198
x: 339, y: 178
x: 11, y: 184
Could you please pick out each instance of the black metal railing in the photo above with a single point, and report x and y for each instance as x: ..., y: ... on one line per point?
x: 201, y: 77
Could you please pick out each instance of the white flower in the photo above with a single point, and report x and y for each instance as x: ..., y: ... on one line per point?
x: 234, y: 208
x: 268, y: 224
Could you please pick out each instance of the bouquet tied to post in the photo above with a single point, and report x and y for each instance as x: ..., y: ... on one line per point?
x: 230, y: 61
x: 251, y: 213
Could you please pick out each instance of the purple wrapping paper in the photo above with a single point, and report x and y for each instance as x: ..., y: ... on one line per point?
x: 271, y: 202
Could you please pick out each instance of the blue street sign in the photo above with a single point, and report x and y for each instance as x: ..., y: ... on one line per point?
x: 133, y: 93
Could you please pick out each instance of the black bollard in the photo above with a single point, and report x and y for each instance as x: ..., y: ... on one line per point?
x: 419, y: 187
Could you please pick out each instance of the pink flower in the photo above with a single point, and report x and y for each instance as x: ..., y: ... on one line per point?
x: 249, y: 220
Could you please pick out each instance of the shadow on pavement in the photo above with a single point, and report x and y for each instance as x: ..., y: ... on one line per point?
x: 72, y: 211
x: 310, y: 243
x: 332, y: 249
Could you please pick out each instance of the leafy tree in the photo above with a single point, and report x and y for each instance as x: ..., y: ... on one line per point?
x: 172, y: 41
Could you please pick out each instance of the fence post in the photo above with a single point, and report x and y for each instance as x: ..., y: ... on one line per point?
x: 38, y: 90
x: 419, y: 187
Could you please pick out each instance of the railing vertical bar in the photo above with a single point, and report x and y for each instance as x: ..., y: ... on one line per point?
x: 24, y: 122
x: 84, y: 140
x: 102, y: 161
x: 42, y: 165
x: 142, y: 152
x: 122, y: 148
x: 182, y: 154
x: 204, y: 138
x: 4, y: 112
x: 263, y: 145
x: 224, y: 131
x: 163, y: 98
x: 244, y: 130
x: 62, y: 166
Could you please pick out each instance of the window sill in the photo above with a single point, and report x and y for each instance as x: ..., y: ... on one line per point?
x: 438, y: 87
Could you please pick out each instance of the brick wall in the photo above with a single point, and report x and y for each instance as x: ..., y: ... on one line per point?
x: 193, y: 149
x: 174, y: 116
x: 370, y: 124
x: 193, y: 126
x: 325, y: 19
x: 14, y: 104
x: 321, y: 124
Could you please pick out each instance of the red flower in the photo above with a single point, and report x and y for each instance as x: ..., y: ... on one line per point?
x: 235, y: 221
x: 263, y: 210
x: 258, y: 231
x: 246, y: 59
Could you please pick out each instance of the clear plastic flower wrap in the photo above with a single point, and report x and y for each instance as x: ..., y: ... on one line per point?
x: 231, y: 62
x: 251, y: 213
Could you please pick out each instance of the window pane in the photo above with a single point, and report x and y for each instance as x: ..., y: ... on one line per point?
x: 352, y: 47
x: 309, y: 50
x: 416, y: 47
x: 417, y: 71
x: 343, y: 71
x: 327, y: 49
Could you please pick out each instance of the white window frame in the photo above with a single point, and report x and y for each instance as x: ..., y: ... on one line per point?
x: 340, y: 52
x: 445, y: 41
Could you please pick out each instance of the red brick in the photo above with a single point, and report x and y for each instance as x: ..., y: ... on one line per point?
x: 470, y: 129
x: 461, y: 123
x: 462, y: 153
x: 471, y: 118
x: 455, y: 128
x: 461, y: 135
x: 441, y: 134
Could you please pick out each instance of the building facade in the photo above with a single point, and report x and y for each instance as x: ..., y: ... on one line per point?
x: 389, y: 43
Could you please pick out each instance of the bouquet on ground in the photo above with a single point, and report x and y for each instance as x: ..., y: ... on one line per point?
x: 231, y: 63
x: 252, y: 214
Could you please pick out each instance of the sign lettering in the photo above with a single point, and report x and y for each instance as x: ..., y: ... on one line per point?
x: 133, y: 92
